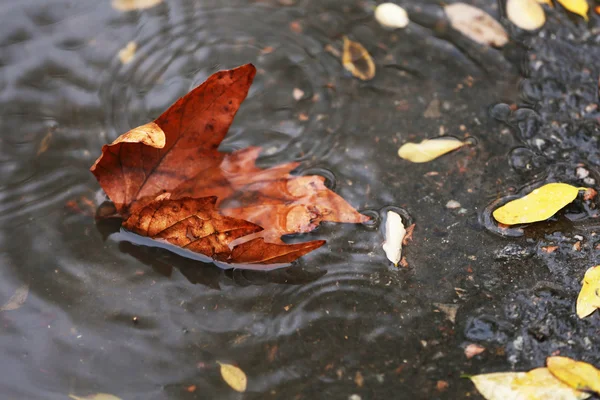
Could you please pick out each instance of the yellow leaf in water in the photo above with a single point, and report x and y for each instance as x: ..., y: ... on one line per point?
x: 127, y: 53
x: 579, y: 7
x: 526, y: 14
x: 589, y: 296
x: 428, y: 149
x: 235, y: 377
x: 538, y: 205
x: 577, y: 374
x: 476, y: 24
x: 17, y: 299
x: 130, y: 5
x: 357, y: 60
x: 97, y: 396
x: 537, y: 384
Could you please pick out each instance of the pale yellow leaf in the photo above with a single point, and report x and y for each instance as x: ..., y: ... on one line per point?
x: 394, y: 234
x: 548, y: 2
x: 17, y: 299
x: 476, y: 24
x: 537, y: 384
x: 577, y: 374
x: 579, y: 7
x: 130, y: 5
x: 391, y: 16
x: 357, y: 60
x: 127, y: 53
x: 526, y: 14
x: 428, y: 149
x: 539, y: 205
x: 97, y: 396
x: 588, y: 300
x: 234, y: 377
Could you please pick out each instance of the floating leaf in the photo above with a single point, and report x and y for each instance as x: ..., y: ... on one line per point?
x: 579, y: 7
x: 538, y: 205
x: 127, y: 53
x: 537, y: 384
x: 130, y: 5
x: 17, y: 299
x: 526, y: 14
x: 357, y: 60
x: 97, y: 396
x: 476, y: 24
x: 234, y: 376
x: 589, y: 296
x: 391, y: 15
x: 577, y: 374
x: 394, y: 234
x: 428, y: 149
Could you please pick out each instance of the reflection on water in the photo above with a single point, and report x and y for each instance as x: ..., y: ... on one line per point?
x: 109, y: 316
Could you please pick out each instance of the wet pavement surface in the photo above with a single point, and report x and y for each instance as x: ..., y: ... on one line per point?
x: 104, y: 315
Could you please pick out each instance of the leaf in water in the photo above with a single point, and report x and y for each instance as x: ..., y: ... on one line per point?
x: 428, y: 149
x: 577, y: 374
x: 392, y: 16
x: 539, y: 205
x: 588, y: 300
x: 130, y: 5
x: 525, y: 14
x: 235, y: 377
x: 97, y: 396
x: 394, y: 234
x: 537, y: 384
x: 17, y: 299
x: 127, y: 53
x: 579, y: 7
x: 357, y: 60
x: 476, y: 24
x: 45, y: 143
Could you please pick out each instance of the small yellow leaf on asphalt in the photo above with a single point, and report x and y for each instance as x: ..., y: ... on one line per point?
x: 537, y: 384
x: 588, y: 300
x: 97, y: 396
x: 538, y: 205
x: 234, y: 377
x: 428, y: 149
x: 357, y: 60
x: 17, y: 299
x: 577, y: 374
x: 130, y: 5
x: 526, y: 14
x: 579, y: 7
x: 476, y: 24
x: 127, y: 53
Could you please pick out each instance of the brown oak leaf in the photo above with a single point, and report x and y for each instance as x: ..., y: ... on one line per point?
x: 169, y: 182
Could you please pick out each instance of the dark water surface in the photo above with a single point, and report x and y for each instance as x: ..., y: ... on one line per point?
x: 142, y: 323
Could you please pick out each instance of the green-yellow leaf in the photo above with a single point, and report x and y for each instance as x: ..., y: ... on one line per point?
x: 579, y: 7
x: 97, y: 396
x: 589, y: 296
x: 538, y: 205
x: 234, y: 377
x: 537, y: 384
x: 577, y: 374
x: 428, y: 149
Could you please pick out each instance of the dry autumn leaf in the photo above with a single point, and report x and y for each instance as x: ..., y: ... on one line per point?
x: 17, y: 299
x: 579, y: 7
x: 130, y: 5
x: 588, y: 300
x: 428, y: 149
x: 526, y: 14
x: 539, y: 205
x: 537, y: 384
x: 169, y: 182
x: 234, y: 377
x: 97, y: 396
x: 357, y: 60
x: 476, y: 24
x: 577, y: 374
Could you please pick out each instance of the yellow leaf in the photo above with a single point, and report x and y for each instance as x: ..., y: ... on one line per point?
x: 537, y: 384
x: 17, y: 299
x: 579, y: 7
x: 235, y: 377
x: 130, y: 5
x: 549, y: 2
x: 577, y: 374
x: 428, y: 149
x: 538, y: 205
x: 97, y: 396
x: 589, y: 296
x: 476, y: 24
x: 357, y: 60
x: 526, y: 14
x: 127, y: 53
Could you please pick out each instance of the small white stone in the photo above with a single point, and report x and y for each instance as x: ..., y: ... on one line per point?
x: 298, y: 94
x: 589, y: 181
x: 354, y: 397
x: 391, y: 16
x: 394, y: 234
x: 452, y: 204
x: 582, y: 173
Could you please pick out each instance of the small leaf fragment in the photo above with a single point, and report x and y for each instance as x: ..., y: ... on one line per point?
x: 127, y: 53
x: 130, y: 5
x: 476, y: 24
x: 357, y: 60
x: 17, y: 299
x: 394, y: 235
x: 577, y: 374
x: 539, y: 205
x: 428, y: 149
x: 589, y: 296
x: 526, y: 14
x: 234, y: 377
x: 391, y: 16
x: 97, y: 396
x: 579, y: 7
x: 537, y: 384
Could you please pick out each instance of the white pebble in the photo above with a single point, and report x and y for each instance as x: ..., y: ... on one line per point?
x: 391, y: 16
x: 452, y: 204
